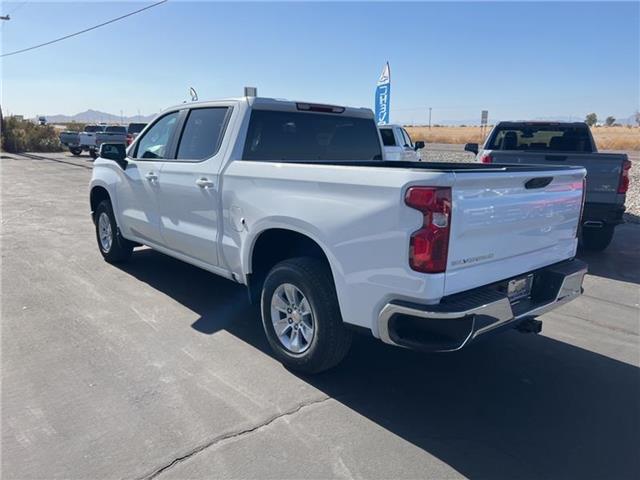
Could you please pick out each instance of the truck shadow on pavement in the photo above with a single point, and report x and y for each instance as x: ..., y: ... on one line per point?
x: 621, y: 260
x: 513, y: 406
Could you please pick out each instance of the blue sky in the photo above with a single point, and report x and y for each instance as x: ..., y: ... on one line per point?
x: 518, y: 60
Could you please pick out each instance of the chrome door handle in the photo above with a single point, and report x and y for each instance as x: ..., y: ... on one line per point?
x: 204, y: 182
x: 152, y: 177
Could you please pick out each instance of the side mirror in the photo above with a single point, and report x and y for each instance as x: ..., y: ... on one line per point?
x: 116, y: 152
x: 418, y: 145
x: 471, y: 147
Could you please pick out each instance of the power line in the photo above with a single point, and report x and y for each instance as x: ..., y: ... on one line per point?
x: 18, y: 7
x: 83, y: 31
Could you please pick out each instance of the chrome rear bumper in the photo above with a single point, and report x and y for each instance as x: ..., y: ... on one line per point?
x: 460, y: 318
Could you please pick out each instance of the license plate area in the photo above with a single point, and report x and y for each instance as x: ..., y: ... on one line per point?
x: 519, y: 288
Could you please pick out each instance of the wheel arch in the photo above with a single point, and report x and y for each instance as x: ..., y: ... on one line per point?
x: 272, y: 245
x: 97, y: 194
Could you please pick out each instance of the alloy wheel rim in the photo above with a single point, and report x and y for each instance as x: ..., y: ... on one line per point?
x: 104, y: 232
x: 292, y: 319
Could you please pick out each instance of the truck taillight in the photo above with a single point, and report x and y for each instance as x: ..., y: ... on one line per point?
x: 486, y: 158
x: 429, y: 246
x: 623, y: 185
x: 316, y: 107
x: 584, y: 198
x: 129, y: 139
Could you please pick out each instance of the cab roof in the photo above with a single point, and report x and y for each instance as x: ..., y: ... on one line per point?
x: 540, y: 122
x: 266, y: 103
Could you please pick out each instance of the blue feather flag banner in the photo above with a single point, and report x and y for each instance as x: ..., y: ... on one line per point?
x: 383, y: 96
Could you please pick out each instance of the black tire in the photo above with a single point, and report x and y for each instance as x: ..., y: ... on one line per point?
x: 93, y: 153
x: 75, y: 150
x: 331, y: 340
x: 120, y: 248
x: 596, y: 239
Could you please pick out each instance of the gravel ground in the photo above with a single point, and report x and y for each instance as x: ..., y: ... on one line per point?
x: 439, y: 152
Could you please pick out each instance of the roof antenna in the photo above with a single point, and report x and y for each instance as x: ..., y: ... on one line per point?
x: 194, y: 94
x: 250, y: 92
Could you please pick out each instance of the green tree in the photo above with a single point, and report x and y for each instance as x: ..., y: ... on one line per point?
x: 591, y: 119
x: 610, y: 121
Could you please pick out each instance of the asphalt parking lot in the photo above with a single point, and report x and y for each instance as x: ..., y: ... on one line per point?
x: 159, y: 369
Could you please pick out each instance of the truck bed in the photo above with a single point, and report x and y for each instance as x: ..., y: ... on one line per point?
x: 445, y: 166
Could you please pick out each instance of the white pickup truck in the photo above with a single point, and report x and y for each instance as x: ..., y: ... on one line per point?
x: 81, y: 141
x: 295, y: 201
x: 398, y: 144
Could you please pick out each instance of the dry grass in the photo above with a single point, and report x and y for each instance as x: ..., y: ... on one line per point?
x: 607, y: 138
x: 617, y: 138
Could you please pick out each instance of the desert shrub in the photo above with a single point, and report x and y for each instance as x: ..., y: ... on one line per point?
x: 25, y: 136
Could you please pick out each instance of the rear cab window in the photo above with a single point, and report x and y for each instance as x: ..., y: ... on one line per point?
x: 116, y: 129
x: 135, y: 127
x: 308, y: 136
x: 541, y: 137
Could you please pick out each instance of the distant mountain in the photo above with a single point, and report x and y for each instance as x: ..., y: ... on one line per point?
x: 453, y: 123
x: 95, y: 116
x: 630, y: 120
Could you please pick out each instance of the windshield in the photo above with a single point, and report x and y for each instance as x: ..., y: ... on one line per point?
x: 541, y: 137
x: 278, y: 135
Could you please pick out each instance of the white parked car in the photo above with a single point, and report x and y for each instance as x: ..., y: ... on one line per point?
x: 294, y: 201
x: 398, y: 145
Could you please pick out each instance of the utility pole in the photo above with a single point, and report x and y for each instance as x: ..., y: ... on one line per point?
x: 429, y: 118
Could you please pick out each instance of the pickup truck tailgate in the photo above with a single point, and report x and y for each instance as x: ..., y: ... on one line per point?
x: 506, y: 224
x: 603, y: 169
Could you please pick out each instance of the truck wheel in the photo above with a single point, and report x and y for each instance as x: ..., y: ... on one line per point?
x: 301, y: 316
x: 76, y: 151
x: 93, y: 153
x: 113, y: 246
x: 596, y: 239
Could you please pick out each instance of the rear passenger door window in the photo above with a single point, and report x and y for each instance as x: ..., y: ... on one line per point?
x: 388, y: 140
x: 202, y: 134
x: 155, y: 143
